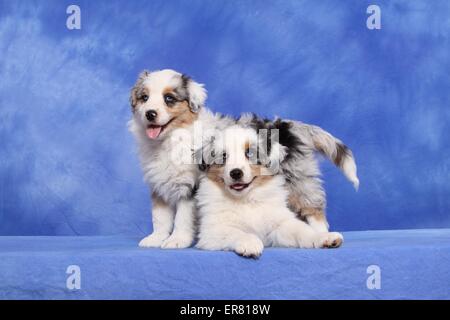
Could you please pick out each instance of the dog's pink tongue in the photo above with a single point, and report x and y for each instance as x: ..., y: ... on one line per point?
x: 154, y: 132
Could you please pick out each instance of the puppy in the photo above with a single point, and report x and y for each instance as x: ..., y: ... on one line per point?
x: 300, y: 166
x: 242, y: 199
x: 168, y: 116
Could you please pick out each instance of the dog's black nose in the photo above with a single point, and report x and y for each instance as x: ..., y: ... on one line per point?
x: 236, y: 174
x: 151, y: 115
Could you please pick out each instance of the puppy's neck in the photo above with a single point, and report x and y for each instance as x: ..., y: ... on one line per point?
x: 268, y: 189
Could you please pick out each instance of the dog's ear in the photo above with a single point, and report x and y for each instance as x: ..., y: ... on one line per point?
x: 136, y: 88
x: 278, y: 153
x: 205, y: 156
x: 196, y: 93
x: 203, y: 165
x: 271, y: 151
x: 200, y: 160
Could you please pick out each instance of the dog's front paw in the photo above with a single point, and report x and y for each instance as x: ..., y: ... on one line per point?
x: 330, y: 240
x: 154, y: 240
x: 178, y: 241
x: 251, y: 247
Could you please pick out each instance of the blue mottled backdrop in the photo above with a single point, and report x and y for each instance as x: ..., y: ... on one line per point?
x: 68, y: 164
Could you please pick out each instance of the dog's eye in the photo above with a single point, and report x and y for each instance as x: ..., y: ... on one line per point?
x: 169, y: 99
x: 249, y: 153
x: 144, y: 97
x: 224, y: 157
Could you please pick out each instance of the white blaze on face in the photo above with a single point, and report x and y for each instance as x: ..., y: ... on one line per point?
x: 235, y: 141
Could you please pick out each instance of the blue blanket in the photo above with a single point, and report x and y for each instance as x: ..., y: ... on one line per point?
x: 412, y: 264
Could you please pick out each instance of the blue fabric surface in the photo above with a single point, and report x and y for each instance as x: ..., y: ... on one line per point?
x: 413, y: 264
x: 68, y: 165
x: 67, y: 162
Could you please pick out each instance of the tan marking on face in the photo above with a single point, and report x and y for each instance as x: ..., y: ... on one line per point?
x: 180, y: 111
x: 168, y: 90
x: 215, y: 174
x: 136, y: 96
x: 246, y: 146
x: 258, y: 172
x: 182, y: 115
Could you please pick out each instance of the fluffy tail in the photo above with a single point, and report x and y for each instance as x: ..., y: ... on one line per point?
x: 331, y: 147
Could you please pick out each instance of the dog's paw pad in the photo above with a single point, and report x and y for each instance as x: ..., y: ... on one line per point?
x: 177, y: 242
x: 332, y: 240
x: 251, y: 248
x: 152, y: 241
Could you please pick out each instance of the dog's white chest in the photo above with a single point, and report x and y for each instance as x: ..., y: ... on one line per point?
x: 170, y: 171
x: 258, y: 218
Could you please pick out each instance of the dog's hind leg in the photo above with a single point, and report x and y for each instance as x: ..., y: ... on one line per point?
x: 184, y: 227
x: 297, y: 233
x: 294, y: 233
x: 316, y: 218
x: 314, y: 215
x: 162, y: 218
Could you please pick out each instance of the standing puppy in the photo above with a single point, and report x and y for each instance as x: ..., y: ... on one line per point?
x: 167, y: 108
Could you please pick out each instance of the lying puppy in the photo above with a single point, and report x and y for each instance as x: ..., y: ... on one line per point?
x: 300, y: 167
x: 168, y: 115
x: 242, y: 199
